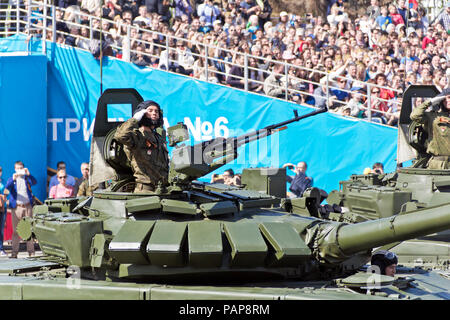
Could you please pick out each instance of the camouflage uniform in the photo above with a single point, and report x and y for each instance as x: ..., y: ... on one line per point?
x: 84, y: 189
x: 147, y: 152
x: 437, y: 125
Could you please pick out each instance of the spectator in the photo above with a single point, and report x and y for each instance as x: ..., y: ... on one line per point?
x: 337, y: 15
x: 61, y: 190
x: 203, y: 27
x: 383, y: 20
x: 356, y: 104
x: 216, y: 178
x: 158, y: 6
x: 429, y: 38
x: 183, y: 7
x: 199, y: 65
x: 3, y: 206
x: 217, y: 27
x: 403, y: 10
x: 390, y: 48
x: 263, y: 10
x: 231, y: 179
x: 385, y: 93
x: 82, y: 41
x: 274, y: 85
x: 209, y: 12
x: 91, y: 5
x: 236, y: 75
x: 245, y: 6
x: 444, y: 18
x: 256, y: 78
x: 54, y: 180
x: 284, y: 17
x: 60, y: 24
x: 338, y: 3
x: 110, y: 9
x: 300, y: 182
x: 378, y: 168
x: 252, y: 25
x: 180, y: 59
x: 409, y: 57
x: 139, y: 58
x: 436, y: 64
x: 296, y: 82
x: 143, y: 16
x: 377, y: 106
x: 396, y: 17
x: 393, y: 112
x: 341, y: 94
x: 288, y: 54
x: 322, y: 97
x: 20, y: 202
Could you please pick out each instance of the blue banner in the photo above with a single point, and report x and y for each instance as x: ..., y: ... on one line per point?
x: 333, y: 146
x: 23, y: 117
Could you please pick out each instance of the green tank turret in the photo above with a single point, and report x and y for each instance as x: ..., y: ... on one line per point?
x: 408, y: 189
x: 195, y: 240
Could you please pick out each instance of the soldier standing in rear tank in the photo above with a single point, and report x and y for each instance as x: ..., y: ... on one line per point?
x: 385, y: 260
x: 437, y: 125
x: 145, y: 146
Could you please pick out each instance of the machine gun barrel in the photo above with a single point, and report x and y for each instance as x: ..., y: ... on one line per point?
x: 296, y: 118
x: 235, y: 142
x: 267, y: 131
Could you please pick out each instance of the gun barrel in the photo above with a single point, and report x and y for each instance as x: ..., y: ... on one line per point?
x: 296, y: 118
x: 191, y: 162
x: 267, y: 131
x: 354, y: 238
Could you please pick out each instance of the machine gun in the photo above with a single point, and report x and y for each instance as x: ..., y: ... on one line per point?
x: 191, y: 162
x: 109, y: 162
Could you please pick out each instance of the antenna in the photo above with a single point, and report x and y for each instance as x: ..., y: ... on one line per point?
x: 101, y: 48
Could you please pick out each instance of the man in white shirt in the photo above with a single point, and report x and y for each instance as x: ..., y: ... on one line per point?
x: 20, y: 202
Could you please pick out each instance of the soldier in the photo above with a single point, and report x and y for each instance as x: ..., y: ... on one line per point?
x: 437, y: 124
x: 387, y: 262
x: 85, y: 189
x: 82, y: 186
x: 145, y: 146
x: 84, y: 176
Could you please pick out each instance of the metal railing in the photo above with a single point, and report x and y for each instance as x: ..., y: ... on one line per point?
x: 203, y: 61
x: 433, y: 8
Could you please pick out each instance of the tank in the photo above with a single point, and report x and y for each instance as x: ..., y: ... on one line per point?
x: 408, y: 189
x: 195, y: 240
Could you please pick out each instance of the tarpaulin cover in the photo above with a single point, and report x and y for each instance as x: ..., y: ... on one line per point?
x: 333, y: 146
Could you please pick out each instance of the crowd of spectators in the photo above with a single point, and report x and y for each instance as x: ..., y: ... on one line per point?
x: 377, y: 54
x: 17, y: 195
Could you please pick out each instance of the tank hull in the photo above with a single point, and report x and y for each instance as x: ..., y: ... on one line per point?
x: 30, y: 284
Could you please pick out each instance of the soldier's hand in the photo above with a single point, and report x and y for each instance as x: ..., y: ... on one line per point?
x: 138, y: 115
